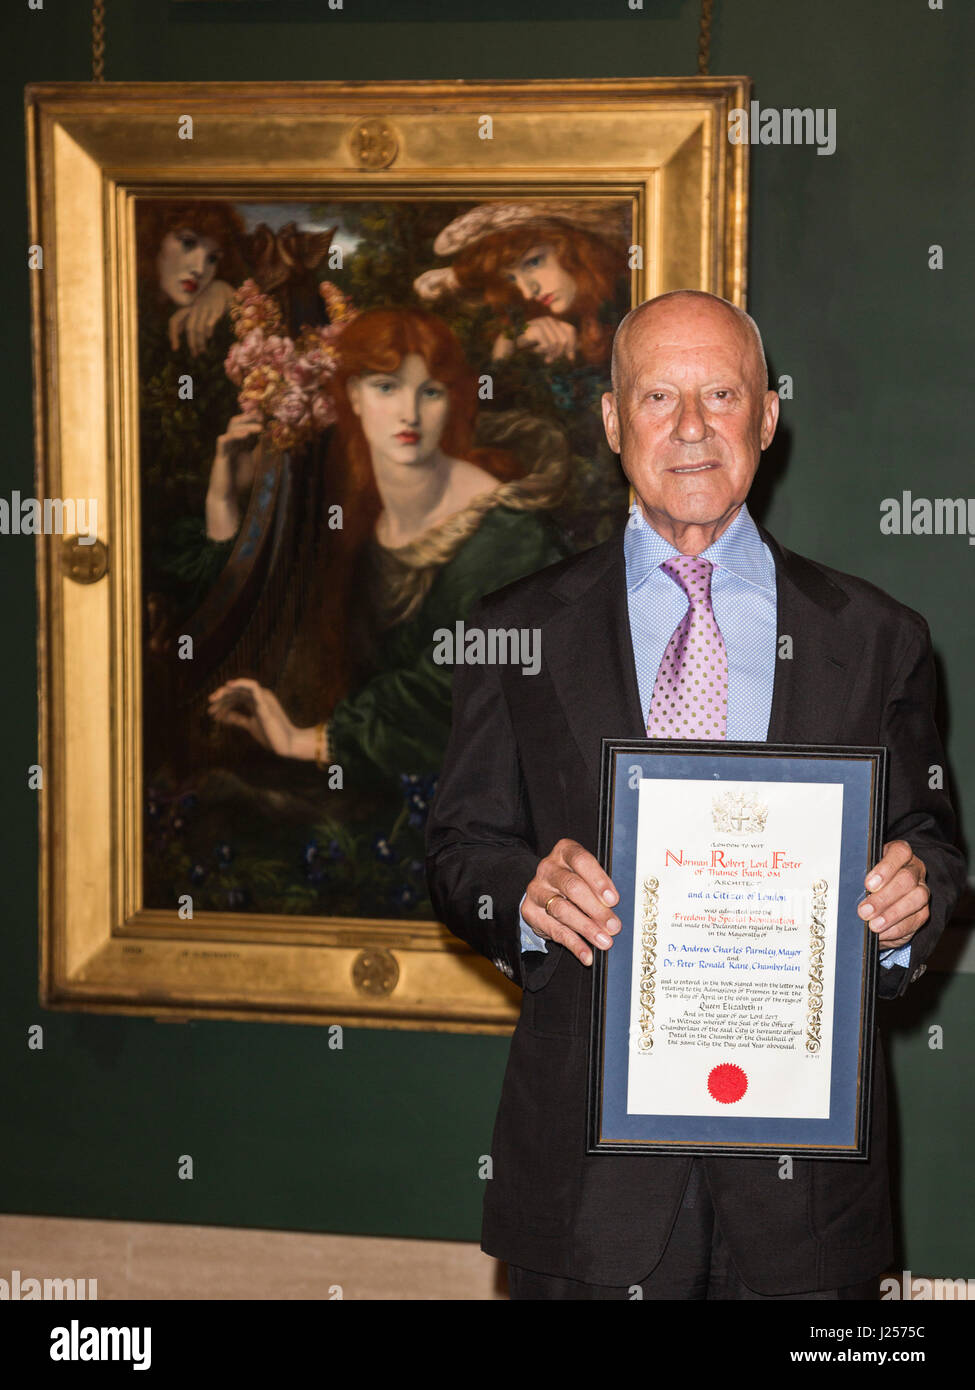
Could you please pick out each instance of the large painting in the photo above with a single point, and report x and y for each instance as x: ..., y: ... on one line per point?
x: 353, y: 344
x: 395, y: 409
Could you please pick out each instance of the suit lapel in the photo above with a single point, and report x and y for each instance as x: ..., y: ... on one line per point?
x: 813, y: 670
x: 588, y: 651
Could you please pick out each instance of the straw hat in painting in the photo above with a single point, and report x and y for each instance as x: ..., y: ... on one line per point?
x: 594, y: 216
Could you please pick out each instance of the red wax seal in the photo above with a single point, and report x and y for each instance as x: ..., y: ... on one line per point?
x: 727, y: 1083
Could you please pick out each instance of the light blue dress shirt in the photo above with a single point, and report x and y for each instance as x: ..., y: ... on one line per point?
x: 744, y: 603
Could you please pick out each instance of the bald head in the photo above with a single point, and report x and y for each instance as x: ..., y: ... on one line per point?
x: 679, y: 305
x: 690, y: 413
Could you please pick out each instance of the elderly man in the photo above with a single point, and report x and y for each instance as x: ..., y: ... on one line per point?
x: 513, y: 828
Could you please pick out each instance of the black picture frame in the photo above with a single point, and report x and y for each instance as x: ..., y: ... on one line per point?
x: 609, y: 1129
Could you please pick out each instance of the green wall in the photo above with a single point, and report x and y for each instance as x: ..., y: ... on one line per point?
x: 384, y: 1136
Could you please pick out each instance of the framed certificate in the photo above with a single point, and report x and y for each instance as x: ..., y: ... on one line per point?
x: 733, y: 1013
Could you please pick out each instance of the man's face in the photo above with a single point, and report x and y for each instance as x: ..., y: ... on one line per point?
x: 692, y: 416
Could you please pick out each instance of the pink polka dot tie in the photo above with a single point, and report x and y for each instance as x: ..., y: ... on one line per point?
x: 690, y: 694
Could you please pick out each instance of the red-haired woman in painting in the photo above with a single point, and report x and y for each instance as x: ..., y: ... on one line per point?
x: 189, y: 257
x: 189, y: 254
x: 548, y: 282
x: 430, y: 522
x: 559, y: 266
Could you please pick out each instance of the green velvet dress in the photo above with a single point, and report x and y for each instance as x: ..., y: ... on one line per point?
x: 278, y: 835
x: 177, y: 439
x: 398, y: 719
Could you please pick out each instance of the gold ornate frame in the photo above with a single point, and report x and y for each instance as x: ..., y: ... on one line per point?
x: 91, y: 149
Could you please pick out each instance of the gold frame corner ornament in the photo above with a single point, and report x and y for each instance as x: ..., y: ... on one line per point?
x: 661, y: 142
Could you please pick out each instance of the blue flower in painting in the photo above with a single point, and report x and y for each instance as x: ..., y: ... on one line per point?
x: 198, y: 873
x: 404, y: 896
x: 561, y: 392
x: 188, y: 801
x: 315, y: 858
x: 416, y: 866
x: 224, y: 853
x: 383, y: 850
x: 418, y: 792
x: 236, y: 898
x: 311, y: 858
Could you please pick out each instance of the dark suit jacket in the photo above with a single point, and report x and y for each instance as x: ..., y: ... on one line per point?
x: 521, y: 772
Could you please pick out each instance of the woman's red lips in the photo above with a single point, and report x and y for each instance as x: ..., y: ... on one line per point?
x: 408, y: 436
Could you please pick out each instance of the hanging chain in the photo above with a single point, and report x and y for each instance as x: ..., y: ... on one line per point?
x: 98, y: 41
x: 704, y: 38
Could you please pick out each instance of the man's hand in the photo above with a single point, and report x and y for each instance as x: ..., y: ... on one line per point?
x: 897, y: 905
x: 576, y: 890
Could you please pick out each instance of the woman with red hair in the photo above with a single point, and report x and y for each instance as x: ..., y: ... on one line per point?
x: 556, y: 273
x: 430, y: 521
x: 189, y: 256
x: 550, y: 279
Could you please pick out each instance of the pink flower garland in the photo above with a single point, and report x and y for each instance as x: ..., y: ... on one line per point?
x: 285, y: 382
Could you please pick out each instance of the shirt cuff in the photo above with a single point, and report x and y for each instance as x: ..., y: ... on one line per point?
x: 891, y: 956
x: 530, y: 941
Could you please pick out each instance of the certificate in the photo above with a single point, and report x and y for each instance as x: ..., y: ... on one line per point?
x: 734, y: 1011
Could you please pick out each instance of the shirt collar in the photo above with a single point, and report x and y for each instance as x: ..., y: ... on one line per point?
x: 740, y: 550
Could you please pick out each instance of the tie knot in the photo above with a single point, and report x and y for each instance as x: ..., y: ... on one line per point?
x: 693, y: 574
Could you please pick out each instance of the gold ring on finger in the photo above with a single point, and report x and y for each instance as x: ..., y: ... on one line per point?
x: 552, y: 899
